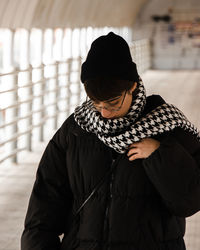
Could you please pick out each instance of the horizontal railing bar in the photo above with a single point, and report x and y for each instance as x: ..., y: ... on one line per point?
x: 30, y: 84
x: 14, y: 152
x: 22, y: 70
x: 42, y: 81
x: 16, y: 136
x: 39, y: 67
x: 15, y: 72
x: 14, y: 121
x: 32, y: 98
x: 20, y: 103
x: 49, y: 104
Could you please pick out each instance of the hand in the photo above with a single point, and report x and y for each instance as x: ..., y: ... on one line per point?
x: 142, y: 149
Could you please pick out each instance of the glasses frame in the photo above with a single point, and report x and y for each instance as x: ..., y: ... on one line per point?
x: 99, y: 108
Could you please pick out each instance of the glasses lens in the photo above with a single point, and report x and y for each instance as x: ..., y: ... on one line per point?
x: 108, y: 107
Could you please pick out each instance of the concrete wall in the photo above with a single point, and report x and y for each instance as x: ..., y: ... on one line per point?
x: 175, y: 45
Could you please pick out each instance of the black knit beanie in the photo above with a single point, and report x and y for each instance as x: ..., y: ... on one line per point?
x: 109, y: 56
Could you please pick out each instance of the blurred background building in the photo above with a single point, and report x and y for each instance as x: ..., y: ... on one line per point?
x: 42, y: 46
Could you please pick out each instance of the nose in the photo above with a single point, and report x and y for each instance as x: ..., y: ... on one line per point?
x: 105, y: 113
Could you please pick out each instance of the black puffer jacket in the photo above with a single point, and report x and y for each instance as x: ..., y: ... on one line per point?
x: 140, y: 206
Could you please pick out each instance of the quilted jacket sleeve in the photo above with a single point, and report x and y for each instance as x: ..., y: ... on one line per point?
x: 51, y: 198
x: 174, y: 169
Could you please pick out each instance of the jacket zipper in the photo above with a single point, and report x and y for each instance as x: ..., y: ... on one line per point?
x: 106, y: 219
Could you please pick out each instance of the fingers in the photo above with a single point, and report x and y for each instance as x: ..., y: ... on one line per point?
x: 142, y: 149
x: 133, y: 153
x: 134, y: 157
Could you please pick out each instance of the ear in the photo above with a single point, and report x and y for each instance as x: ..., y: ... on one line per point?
x: 133, y: 88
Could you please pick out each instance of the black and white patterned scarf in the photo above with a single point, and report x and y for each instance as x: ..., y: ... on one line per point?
x: 119, y: 133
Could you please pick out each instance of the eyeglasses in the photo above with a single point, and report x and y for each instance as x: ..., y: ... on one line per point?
x: 109, y: 108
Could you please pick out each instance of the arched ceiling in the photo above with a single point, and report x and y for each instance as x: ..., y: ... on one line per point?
x: 68, y: 13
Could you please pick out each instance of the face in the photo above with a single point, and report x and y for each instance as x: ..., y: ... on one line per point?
x: 116, y: 107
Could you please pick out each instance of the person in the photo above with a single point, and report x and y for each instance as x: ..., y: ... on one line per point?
x: 122, y: 172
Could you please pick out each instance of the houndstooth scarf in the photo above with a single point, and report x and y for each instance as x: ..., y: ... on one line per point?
x: 119, y: 133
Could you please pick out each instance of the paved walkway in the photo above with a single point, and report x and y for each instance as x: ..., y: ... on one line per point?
x: 181, y: 88
x: 16, y: 182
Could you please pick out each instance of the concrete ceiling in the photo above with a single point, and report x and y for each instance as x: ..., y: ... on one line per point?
x: 68, y: 13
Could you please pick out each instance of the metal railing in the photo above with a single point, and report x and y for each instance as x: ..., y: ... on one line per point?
x: 38, y: 99
x: 32, y: 97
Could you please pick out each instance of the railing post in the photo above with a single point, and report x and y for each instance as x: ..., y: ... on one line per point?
x: 68, y: 85
x: 29, y: 108
x: 42, y: 113
x: 79, y: 84
x: 56, y: 109
x: 11, y: 114
x: 15, y: 114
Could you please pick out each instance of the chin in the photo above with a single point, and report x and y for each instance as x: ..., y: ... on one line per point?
x: 113, y: 116
x: 109, y: 117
